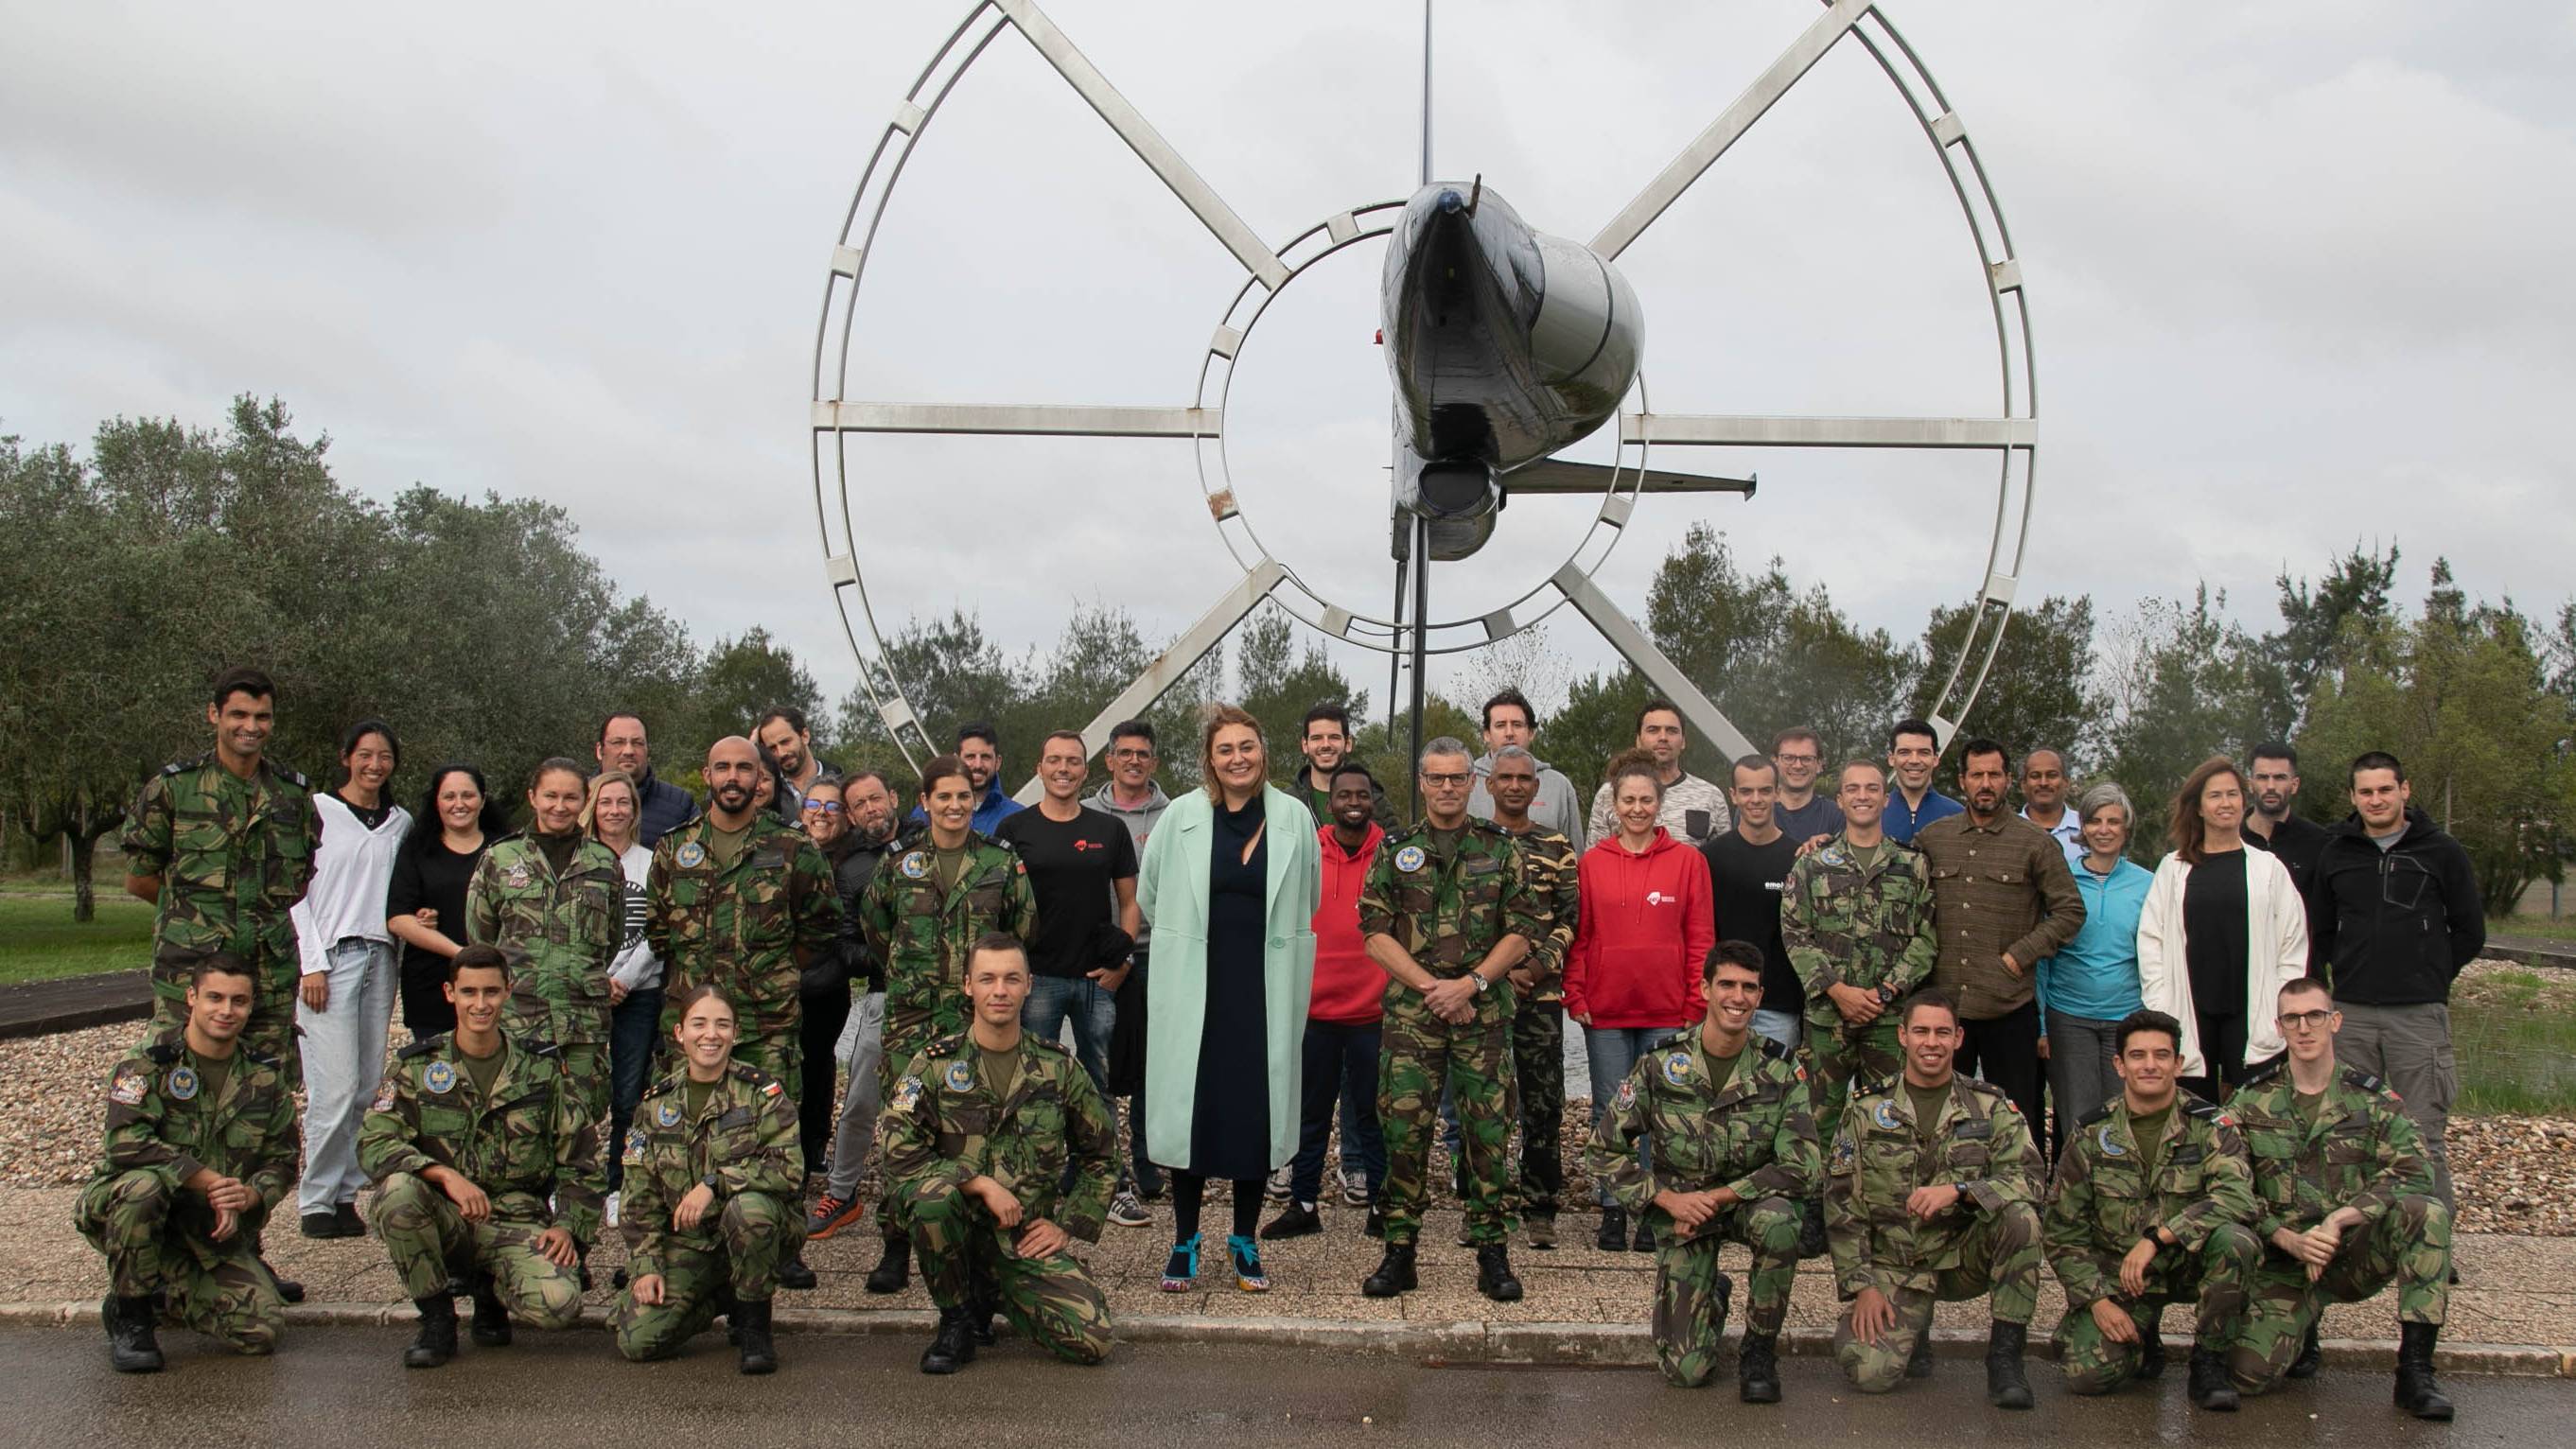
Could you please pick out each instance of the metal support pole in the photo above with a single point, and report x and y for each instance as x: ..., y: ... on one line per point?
x: 1419, y: 646
x: 1426, y: 92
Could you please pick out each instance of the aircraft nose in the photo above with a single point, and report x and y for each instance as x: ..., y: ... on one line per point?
x: 1450, y: 203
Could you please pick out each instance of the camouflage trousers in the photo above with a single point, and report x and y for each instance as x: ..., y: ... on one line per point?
x: 1052, y: 1300
x: 908, y: 1031
x: 1834, y: 1058
x: 1417, y: 1058
x: 705, y: 1273
x: 1998, y: 1260
x: 159, y: 1240
x: 579, y: 1032
x: 2409, y: 1246
x: 271, y: 1030
x: 1690, y: 1318
x: 2220, y: 1276
x: 431, y: 1244
x: 768, y: 1046
x: 1538, y: 1078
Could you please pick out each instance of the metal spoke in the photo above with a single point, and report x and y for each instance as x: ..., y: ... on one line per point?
x: 1019, y: 419
x: 1560, y: 475
x: 1146, y: 142
x: 1639, y: 650
x: 1799, y: 432
x: 1730, y: 125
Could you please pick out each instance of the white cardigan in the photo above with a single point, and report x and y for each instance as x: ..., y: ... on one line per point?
x: 2276, y: 932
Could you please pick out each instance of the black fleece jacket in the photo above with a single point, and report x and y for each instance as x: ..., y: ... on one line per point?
x: 2391, y: 928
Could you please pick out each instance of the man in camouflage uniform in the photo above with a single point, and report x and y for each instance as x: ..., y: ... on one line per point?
x: 938, y: 890
x: 2153, y: 1202
x: 2346, y: 1207
x: 201, y: 1147
x: 469, y: 1138
x: 1856, y: 917
x: 1447, y: 915
x: 222, y: 846
x: 978, y: 1134
x: 1727, y: 1117
x: 1928, y: 1200
x: 712, y: 1167
x: 1538, y: 986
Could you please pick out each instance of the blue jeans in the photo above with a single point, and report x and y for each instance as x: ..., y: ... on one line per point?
x: 1612, y: 1051
x: 1784, y: 1027
x: 1339, y: 1062
x: 1055, y: 1000
x: 634, y: 1031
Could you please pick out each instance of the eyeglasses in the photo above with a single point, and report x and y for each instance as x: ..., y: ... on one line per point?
x: 1131, y: 754
x: 1458, y: 779
x: 824, y: 807
x: 1796, y: 759
x: 2306, y: 1020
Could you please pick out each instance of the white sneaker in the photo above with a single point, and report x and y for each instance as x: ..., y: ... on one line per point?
x: 1278, y: 1188
x: 1355, y: 1188
x: 1126, y: 1212
x: 609, y: 1213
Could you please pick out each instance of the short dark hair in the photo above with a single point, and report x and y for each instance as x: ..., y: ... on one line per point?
x: 220, y: 963
x: 941, y: 767
x: 1743, y: 955
x: 2301, y: 986
x: 1327, y: 710
x: 1657, y: 705
x: 2275, y: 750
x: 1352, y: 766
x: 1980, y: 745
x: 1930, y: 997
x: 1799, y: 732
x: 979, y: 729
x: 2145, y: 1018
x: 1755, y: 762
x: 863, y: 772
x: 795, y: 720
x: 241, y: 679
x: 612, y: 717
x: 481, y: 956
x: 1911, y: 725
x: 2378, y: 760
x: 1508, y: 696
x: 1134, y: 729
x: 998, y: 941
x: 1073, y: 735
x: 350, y: 737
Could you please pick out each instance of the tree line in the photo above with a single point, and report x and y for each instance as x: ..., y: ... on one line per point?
x: 484, y: 632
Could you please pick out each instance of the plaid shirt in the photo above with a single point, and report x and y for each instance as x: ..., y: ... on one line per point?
x: 1996, y: 888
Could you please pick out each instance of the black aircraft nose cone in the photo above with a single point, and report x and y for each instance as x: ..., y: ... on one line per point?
x: 1450, y: 202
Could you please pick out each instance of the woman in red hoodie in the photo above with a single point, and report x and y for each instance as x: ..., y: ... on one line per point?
x: 1632, y: 977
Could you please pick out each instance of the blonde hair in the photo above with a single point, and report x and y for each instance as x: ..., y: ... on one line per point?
x: 590, y: 802
x: 1214, y: 718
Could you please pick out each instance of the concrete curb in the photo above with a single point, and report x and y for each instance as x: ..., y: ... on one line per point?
x: 1465, y: 1342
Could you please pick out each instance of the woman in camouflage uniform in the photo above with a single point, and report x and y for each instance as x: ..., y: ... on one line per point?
x: 554, y: 900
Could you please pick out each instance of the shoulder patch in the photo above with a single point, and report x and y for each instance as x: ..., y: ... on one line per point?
x: 2265, y: 1075
x: 1680, y: 1037
x: 420, y: 1048
x: 164, y: 1052
x: 386, y: 1091
x: 294, y: 778
x: 175, y: 767
x: 2201, y: 1107
x: 128, y: 1088
x: 2098, y: 1114
x: 1773, y: 1049
x: 2364, y: 1080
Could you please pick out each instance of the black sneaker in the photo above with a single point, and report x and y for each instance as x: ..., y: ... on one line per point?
x: 1613, y: 1237
x: 1645, y: 1242
x: 894, y: 1269
x: 1297, y: 1220
x: 1375, y: 1227
x: 320, y: 1225
x: 351, y: 1225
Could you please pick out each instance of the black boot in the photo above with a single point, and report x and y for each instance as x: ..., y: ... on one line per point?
x: 2418, y: 1392
x: 982, y: 1302
x: 131, y: 1348
x: 1757, y: 1369
x: 2151, y: 1341
x: 1494, y: 1273
x: 2211, y: 1386
x: 750, y: 1333
x: 793, y: 1274
x: 1811, y: 1229
x: 954, y: 1348
x: 894, y: 1270
x: 1918, y: 1364
x: 1394, y: 1273
x: 288, y: 1290
x: 2005, y: 1386
x: 491, y: 1326
x: 2312, y: 1356
x: 436, y: 1342
x: 1613, y: 1237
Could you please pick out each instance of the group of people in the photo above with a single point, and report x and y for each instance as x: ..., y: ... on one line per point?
x: 1793, y: 1004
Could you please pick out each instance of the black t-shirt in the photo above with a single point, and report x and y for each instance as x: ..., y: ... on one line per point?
x: 427, y: 873
x: 2215, y: 933
x: 1071, y: 864
x: 2296, y: 841
x: 1744, y: 891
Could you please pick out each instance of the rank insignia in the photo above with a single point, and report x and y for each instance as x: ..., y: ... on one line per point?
x: 183, y: 1083
x: 772, y: 1090
x: 440, y: 1078
x: 690, y: 856
x: 1409, y: 859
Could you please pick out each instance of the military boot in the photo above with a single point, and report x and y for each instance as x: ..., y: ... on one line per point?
x: 435, y: 1344
x: 750, y: 1333
x: 983, y: 1300
x: 1394, y: 1273
x: 2212, y: 1387
x: 1494, y: 1273
x: 2151, y: 1340
x: 1757, y: 1369
x: 288, y: 1290
x: 2006, y: 1388
x: 131, y: 1347
x: 491, y: 1326
x: 793, y: 1273
x: 894, y: 1270
x: 1613, y: 1237
x: 954, y: 1348
x: 2312, y: 1356
x: 2418, y: 1392
x: 1918, y: 1364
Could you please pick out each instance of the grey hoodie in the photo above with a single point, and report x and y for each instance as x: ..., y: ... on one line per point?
x: 1555, y: 808
x: 1139, y: 821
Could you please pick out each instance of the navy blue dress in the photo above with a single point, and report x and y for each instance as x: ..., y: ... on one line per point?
x: 1230, y: 1115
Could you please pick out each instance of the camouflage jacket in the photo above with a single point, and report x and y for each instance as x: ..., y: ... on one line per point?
x: 742, y: 1140
x: 2101, y: 1204
x: 944, y: 1124
x: 1877, y: 1161
x: 1847, y: 927
x: 1756, y: 1136
x: 1548, y: 873
x: 563, y: 930
x: 742, y: 928
x: 532, y: 1140
x: 160, y: 1121
x: 2362, y: 1152
x: 233, y: 855
x: 922, y: 934
x: 1449, y: 911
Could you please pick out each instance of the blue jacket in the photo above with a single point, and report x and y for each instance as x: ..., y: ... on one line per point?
x: 2096, y: 976
x: 665, y: 808
x: 989, y: 811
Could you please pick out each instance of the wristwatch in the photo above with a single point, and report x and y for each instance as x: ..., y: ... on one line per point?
x: 1483, y: 982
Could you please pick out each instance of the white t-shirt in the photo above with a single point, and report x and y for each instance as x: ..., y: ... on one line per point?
x: 636, y: 967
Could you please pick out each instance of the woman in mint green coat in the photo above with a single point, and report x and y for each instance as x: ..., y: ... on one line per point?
x: 1230, y: 881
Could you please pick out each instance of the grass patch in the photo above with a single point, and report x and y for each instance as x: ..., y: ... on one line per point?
x: 39, y: 940
x: 2562, y: 928
x: 2514, y: 1034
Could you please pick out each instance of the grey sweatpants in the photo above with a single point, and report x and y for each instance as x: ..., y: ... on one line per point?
x: 862, y: 1042
x: 2409, y: 1048
x: 2080, y: 1075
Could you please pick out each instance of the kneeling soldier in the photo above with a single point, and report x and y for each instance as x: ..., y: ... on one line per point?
x: 2153, y: 1203
x: 1730, y: 1132
x: 712, y: 1170
x: 468, y: 1138
x: 2346, y: 1205
x: 977, y: 1135
x: 1928, y: 1200
x: 201, y: 1146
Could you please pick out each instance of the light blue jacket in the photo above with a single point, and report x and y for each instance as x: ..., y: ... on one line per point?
x: 2096, y: 976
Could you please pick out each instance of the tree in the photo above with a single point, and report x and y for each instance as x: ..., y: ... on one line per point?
x: 2040, y: 691
x: 2312, y: 623
x: 746, y: 676
x: 1276, y: 684
x: 2182, y: 683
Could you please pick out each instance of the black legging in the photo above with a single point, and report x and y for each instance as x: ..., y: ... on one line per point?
x: 1189, y: 1190
x: 2222, y: 1049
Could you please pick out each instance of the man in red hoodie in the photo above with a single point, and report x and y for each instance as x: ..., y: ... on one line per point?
x: 1341, y: 1046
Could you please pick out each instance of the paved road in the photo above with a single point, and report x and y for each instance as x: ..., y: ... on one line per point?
x: 345, y: 1387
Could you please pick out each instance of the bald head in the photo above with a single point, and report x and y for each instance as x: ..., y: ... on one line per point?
x: 733, y: 771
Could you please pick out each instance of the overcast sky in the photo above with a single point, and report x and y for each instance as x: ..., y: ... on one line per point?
x: 2298, y: 271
